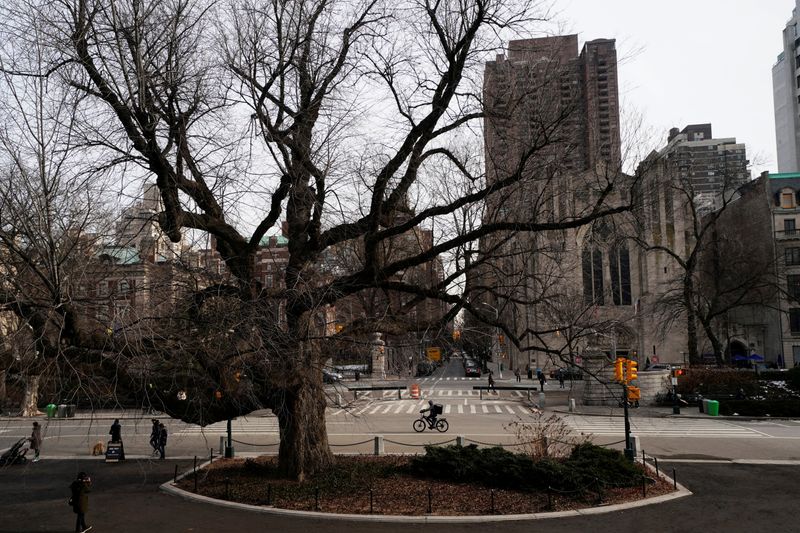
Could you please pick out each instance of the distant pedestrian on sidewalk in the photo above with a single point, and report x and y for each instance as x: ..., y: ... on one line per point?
x: 162, y: 439
x: 491, y: 381
x: 541, y: 379
x: 560, y: 375
x: 79, y: 499
x: 517, y: 375
x: 154, y: 435
x: 116, y: 431
x: 36, y: 440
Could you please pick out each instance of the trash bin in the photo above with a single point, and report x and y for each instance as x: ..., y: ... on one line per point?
x: 51, y: 410
x: 71, y: 410
x: 713, y: 408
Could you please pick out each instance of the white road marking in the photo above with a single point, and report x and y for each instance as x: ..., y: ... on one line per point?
x: 447, y: 409
x: 485, y: 409
x: 460, y: 409
x: 472, y: 409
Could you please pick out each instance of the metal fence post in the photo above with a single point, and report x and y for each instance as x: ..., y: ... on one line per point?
x: 460, y: 440
x: 379, y: 445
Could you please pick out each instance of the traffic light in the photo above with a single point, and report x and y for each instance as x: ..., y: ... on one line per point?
x: 678, y: 372
x: 631, y: 369
x: 619, y: 373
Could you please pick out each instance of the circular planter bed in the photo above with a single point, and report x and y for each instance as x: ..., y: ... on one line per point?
x: 393, y: 485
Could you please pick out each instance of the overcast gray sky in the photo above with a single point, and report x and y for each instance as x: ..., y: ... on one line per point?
x: 694, y: 61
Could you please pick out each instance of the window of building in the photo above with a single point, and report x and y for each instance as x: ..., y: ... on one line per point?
x: 794, y: 320
x: 788, y: 226
x: 620, y: 267
x: 123, y: 287
x: 592, y: 263
x: 793, y: 286
x: 792, y: 256
x: 102, y: 288
x: 787, y: 199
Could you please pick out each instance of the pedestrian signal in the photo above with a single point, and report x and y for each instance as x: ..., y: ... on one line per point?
x: 631, y: 369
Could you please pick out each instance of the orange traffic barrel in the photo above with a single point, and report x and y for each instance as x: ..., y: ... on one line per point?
x: 414, y: 391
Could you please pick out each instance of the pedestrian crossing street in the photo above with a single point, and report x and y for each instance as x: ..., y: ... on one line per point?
x: 660, y: 427
x: 405, y: 407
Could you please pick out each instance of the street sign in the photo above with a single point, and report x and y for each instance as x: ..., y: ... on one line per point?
x: 434, y: 354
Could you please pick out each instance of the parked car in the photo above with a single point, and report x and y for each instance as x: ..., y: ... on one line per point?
x: 329, y: 376
x: 472, y: 370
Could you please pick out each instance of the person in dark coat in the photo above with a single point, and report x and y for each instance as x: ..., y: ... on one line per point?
x: 154, y: 435
x: 541, y: 379
x: 79, y: 499
x: 491, y: 381
x: 116, y: 431
x: 36, y: 440
x: 162, y: 439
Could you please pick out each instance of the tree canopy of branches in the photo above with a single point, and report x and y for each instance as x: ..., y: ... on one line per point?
x: 328, y: 114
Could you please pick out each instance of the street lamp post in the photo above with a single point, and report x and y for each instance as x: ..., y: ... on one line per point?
x: 229, y: 447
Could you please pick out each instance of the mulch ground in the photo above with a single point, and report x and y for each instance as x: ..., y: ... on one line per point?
x: 377, y: 485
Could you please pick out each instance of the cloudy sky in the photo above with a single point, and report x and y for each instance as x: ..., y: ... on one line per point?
x: 694, y: 61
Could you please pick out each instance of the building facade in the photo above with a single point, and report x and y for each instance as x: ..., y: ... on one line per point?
x: 786, y: 96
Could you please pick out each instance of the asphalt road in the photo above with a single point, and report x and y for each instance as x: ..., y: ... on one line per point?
x: 352, y: 427
x: 125, y: 499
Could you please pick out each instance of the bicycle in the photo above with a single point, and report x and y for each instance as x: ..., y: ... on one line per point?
x: 421, y: 423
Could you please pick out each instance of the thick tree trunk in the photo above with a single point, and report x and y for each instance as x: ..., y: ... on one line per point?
x: 31, y: 399
x: 691, y: 319
x: 3, y: 391
x: 304, y: 446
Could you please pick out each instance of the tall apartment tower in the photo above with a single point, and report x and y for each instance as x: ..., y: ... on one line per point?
x: 715, y: 168
x: 786, y: 96
x: 544, y: 90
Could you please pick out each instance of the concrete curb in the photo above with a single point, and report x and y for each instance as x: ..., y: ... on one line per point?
x: 170, y: 488
x: 670, y: 415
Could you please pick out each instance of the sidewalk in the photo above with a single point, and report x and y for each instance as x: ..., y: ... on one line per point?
x: 98, y: 414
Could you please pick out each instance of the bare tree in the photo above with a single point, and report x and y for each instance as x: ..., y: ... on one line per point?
x: 358, y: 105
x: 49, y: 209
x: 707, y: 275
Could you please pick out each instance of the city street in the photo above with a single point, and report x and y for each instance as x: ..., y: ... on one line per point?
x: 353, y: 426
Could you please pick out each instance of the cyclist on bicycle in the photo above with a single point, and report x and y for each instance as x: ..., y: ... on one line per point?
x: 433, y: 412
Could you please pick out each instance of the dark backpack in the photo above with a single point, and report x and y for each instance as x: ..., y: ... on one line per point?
x: 438, y: 409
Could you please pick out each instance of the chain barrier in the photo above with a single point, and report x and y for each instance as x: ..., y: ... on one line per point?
x: 354, y: 443
x: 253, y: 444
x: 494, y: 445
x: 419, y: 445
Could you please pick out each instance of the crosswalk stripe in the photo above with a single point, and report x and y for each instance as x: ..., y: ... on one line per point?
x: 460, y: 409
x: 497, y: 409
x: 411, y: 409
x: 485, y: 409
x: 447, y: 409
x: 375, y: 410
x: 509, y: 409
x: 472, y: 409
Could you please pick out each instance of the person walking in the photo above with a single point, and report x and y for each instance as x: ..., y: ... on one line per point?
x: 116, y: 431
x: 162, y: 439
x: 491, y: 381
x: 154, y: 435
x: 79, y: 500
x: 561, y: 378
x: 517, y: 375
x: 36, y: 440
x: 541, y: 380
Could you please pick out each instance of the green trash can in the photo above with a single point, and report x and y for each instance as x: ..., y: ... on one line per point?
x: 713, y: 408
x: 51, y: 410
